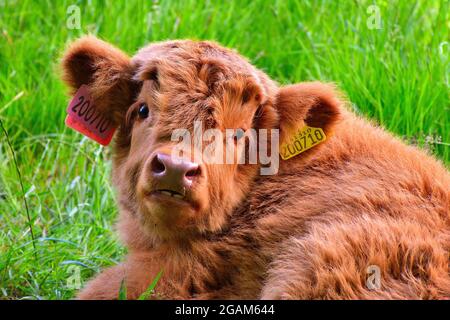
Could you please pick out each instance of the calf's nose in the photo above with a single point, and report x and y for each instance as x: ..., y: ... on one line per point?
x: 174, y: 171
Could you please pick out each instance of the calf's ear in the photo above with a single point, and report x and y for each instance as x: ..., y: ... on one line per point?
x: 107, y: 72
x: 314, y: 104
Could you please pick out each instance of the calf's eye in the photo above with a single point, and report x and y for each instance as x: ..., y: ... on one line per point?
x: 143, y: 111
x: 239, y: 134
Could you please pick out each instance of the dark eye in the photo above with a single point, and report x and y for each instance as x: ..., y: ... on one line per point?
x: 143, y: 111
x: 239, y: 134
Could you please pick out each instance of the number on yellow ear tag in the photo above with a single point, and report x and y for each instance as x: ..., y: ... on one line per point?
x: 305, y: 138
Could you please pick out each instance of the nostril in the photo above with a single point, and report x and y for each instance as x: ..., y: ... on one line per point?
x: 192, y: 173
x: 157, y: 165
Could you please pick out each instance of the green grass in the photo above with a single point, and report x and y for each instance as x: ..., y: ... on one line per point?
x: 397, y: 75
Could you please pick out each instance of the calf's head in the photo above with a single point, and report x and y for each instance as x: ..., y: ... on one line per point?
x: 167, y: 94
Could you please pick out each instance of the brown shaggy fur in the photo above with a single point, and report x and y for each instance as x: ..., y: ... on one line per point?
x: 360, y: 198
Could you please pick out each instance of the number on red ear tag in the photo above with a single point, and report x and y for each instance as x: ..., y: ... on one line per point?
x: 85, y: 118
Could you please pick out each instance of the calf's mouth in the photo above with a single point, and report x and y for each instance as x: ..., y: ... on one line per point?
x: 170, y: 193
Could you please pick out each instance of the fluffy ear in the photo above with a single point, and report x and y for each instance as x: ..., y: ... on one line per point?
x: 105, y: 69
x: 314, y: 104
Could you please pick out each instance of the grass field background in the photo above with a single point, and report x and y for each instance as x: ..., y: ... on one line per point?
x: 397, y: 75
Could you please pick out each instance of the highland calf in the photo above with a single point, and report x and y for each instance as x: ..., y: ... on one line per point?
x: 360, y: 200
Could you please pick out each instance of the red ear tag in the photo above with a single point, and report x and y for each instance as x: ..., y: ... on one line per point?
x: 85, y: 118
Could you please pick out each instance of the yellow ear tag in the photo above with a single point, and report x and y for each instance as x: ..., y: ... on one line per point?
x: 305, y: 138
